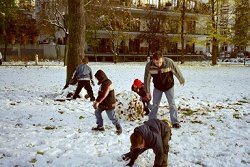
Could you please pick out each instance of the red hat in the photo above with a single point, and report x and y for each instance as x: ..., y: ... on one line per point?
x: 137, y: 83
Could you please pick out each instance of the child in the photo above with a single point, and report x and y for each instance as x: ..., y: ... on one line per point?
x: 153, y: 134
x: 105, y: 101
x: 83, y: 73
x: 138, y: 87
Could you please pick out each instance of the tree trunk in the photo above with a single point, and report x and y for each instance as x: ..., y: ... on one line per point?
x: 182, y: 31
x: 76, y: 38
x: 5, y: 44
x: 214, y: 50
x: 214, y: 31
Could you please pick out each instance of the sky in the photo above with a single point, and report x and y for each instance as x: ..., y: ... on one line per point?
x: 37, y: 130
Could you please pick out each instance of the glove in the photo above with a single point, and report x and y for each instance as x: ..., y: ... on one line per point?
x: 148, y: 96
x: 126, y: 156
x: 92, y: 82
x: 145, y: 99
x: 130, y: 164
x: 95, y: 105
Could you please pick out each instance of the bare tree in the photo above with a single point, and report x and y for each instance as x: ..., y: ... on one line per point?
x: 183, y: 12
x: 154, y: 31
x: 76, y: 38
x: 53, y: 19
x: 214, y: 32
x: 8, y: 11
x: 108, y: 18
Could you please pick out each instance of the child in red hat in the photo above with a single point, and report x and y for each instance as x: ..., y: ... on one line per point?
x: 138, y: 87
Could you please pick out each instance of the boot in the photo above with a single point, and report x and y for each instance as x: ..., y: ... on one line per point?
x: 98, y: 128
x: 176, y: 125
x: 118, y: 129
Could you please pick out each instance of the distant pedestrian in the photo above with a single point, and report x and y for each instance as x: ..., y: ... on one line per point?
x: 84, y: 76
x: 1, y: 57
x: 138, y: 87
x: 162, y: 71
x: 105, y: 101
x: 153, y: 134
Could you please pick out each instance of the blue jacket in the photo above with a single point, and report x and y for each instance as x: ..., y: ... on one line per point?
x: 153, y: 132
x: 83, y: 72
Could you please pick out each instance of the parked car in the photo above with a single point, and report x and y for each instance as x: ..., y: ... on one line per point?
x: 240, y: 55
x: 207, y: 55
x: 224, y: 55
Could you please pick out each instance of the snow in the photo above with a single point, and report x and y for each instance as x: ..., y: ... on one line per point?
x: 36, y: 130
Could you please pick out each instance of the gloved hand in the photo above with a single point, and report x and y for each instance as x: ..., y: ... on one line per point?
x: 95, y: 105
x: 126, y: 156
x: 92, y: 82
x: 145, y: 99
x: 130, y: 164
x: 148, y: 96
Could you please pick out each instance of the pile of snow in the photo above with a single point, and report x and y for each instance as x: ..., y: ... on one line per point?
x: 36, y: 130
x: 129, y: 106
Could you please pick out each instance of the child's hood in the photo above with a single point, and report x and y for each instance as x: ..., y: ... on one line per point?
x: 100, y: 76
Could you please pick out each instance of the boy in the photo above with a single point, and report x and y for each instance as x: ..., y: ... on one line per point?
x: 84, y: 76
x: 138, y: 87
x: 153, y: 134
x: 105, y: 101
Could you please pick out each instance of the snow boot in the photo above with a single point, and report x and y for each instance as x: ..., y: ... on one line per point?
x: 98, y: 128
x: 118, y: 129
x: 176, y: 125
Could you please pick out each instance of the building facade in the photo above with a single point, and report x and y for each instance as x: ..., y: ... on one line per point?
x: 160, y: 21
x: 140, y: 27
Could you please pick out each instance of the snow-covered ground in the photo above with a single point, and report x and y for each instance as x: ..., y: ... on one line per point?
x: 36, y: 130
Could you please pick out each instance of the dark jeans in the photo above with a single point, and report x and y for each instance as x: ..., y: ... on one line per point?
x: 86, y: 85
x: 165, y: 141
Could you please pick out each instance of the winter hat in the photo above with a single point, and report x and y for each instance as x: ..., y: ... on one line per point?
x: 100, y: 76
x: 137, y: 83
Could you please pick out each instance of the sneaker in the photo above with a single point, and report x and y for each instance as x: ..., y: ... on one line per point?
x: 98, y: 128
x: 118, y: 129
x: 70, y: 94
x: 75, y: 97
x: 176, y: 125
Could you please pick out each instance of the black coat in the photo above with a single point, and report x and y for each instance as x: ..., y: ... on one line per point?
x: 106, y: 94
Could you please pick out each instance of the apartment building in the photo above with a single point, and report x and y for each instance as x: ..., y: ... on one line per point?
x: 153, y: 25
x: 167, y: 15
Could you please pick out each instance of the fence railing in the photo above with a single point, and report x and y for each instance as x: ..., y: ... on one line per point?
x: 47, y: 51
